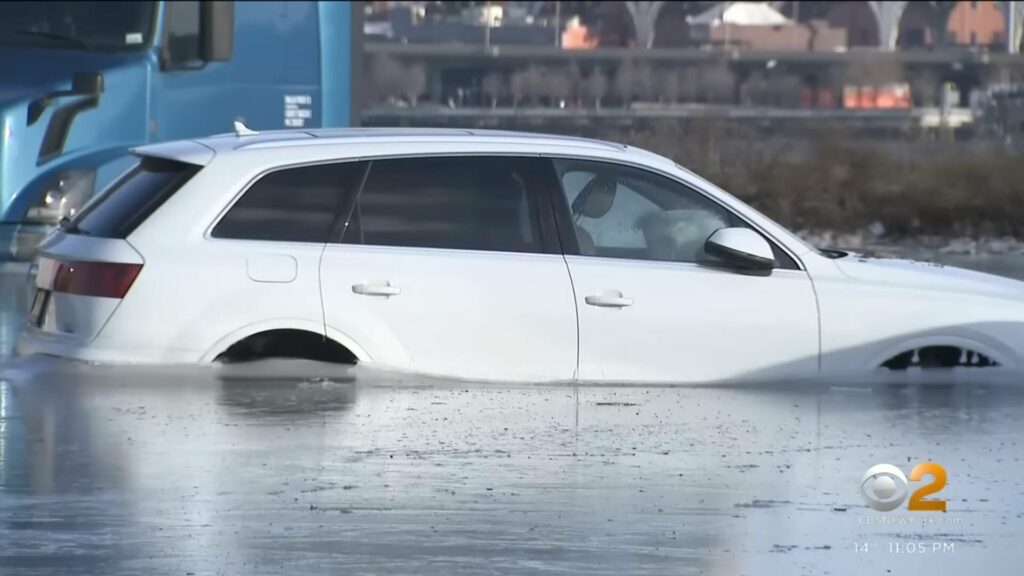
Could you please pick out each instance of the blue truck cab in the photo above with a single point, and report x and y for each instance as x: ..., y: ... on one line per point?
x: 82, y: 82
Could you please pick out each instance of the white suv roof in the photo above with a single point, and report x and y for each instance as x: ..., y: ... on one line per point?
x: 202, y: 150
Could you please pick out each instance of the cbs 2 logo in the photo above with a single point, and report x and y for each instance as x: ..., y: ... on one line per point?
x: 884, y: 487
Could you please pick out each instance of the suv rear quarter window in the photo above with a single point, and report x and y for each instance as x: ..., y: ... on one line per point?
x: 298, y: 204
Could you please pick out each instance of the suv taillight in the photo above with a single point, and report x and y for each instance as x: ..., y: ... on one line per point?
x: 106, y: 279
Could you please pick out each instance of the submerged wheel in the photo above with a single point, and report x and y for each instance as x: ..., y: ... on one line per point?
x: 287, y: 344
x: 939, y: 357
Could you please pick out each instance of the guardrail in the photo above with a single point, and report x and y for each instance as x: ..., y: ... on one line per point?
x: 463, y: 52
x: 922, y: 116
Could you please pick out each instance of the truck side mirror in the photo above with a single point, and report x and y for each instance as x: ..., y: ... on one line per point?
x: 87, y: 83
x: 82, y: 84
x: 216, y: 30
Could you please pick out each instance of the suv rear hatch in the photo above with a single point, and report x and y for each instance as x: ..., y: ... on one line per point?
x: 88, y: 266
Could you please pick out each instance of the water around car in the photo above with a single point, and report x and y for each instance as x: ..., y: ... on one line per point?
x: 281, y: 467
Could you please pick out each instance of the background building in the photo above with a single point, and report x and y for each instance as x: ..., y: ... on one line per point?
x: 940, y: 60
x: 887, y: 25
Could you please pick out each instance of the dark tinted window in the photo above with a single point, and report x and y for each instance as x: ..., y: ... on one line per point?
x: 291, y: 205
x: 78, y: 25
x: 182, y: 30
x: 471, y: 203
x: 130, y: 200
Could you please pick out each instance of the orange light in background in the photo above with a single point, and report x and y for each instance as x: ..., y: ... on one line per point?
x: 578, y: 37
x: 851, y: 97
x: 867, y: 97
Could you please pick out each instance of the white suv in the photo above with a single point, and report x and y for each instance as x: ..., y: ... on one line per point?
x: 483, y: 255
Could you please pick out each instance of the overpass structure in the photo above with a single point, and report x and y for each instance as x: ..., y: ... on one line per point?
x: 592, y: 121
x: 967, y: 68
x: 886, y: 14
x: 496, y: 55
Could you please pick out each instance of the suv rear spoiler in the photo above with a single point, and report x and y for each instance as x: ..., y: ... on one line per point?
x: 186, y: 151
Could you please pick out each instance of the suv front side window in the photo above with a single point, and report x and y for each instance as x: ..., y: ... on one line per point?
x: 619, y: 211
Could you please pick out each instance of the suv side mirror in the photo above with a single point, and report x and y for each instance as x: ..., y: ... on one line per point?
x: 741, y: 248
x: 216, y: 30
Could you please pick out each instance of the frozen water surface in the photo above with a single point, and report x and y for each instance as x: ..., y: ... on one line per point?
x: 296, y: 468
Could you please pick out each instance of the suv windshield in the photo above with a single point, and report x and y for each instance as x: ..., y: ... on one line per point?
x: 105, y: 26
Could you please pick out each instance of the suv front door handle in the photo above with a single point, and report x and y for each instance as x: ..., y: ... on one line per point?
x: 615, y: 300
x: 376, y: 289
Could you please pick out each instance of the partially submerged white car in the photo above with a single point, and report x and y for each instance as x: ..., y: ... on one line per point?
x: 483, y: 255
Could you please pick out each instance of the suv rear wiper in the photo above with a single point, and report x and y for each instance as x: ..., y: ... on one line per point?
x: 70, y: 227
x: 70, y: 40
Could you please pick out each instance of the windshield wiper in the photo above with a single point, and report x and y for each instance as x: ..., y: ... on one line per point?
x: 70, y: 40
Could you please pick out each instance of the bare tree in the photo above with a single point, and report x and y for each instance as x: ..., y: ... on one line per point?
x: 575, y: 78
x: 529, y: 84
x: 772, y: 89
x: 1003, y: 75
x: 622, y: 86
x: 754, y: 90
x: 925, y: 87
x: 718, y: 81
x: 689, y: 84
x: 595, y: 87
x: 414, y: 82
x: 386, y: 75
x: 517, y: 85
x: 785, y: 90
x: 556, y: 86
x: 493, y: 86
x: 645, y: 84
x: 670, y: 85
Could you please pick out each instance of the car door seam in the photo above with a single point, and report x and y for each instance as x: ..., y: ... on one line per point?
x: 342, y: 218
x: 576, y: 309
x: 554, y: 195
x: 817, y: 310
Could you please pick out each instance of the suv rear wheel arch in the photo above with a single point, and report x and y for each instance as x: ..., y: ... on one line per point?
x: 310, y: 332
x: 286, y: 343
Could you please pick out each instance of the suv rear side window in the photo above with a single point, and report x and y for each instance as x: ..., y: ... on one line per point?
x: 130, y: 200
x: 292, y: 205
x: 468, y: 203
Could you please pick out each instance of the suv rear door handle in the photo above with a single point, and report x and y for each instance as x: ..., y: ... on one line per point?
x: 609, y: 300
x: 376, y: 289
